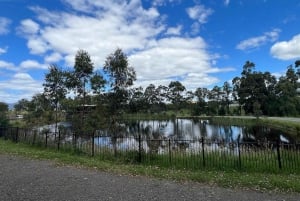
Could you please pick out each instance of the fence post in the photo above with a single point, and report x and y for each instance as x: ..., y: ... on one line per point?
x: 17, y: 135
x: 93, y: 143
x: 140, y: 149
x: 239, y: 152
x: 203, y: 155
x: 278, y: 155
x: 46, y: 144
x: 170, y: 153
x: 58, y: 142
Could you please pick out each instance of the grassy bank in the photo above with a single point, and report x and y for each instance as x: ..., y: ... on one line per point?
x: 233, y: 179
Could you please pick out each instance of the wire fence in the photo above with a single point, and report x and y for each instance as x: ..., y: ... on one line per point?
x: 194, y: 154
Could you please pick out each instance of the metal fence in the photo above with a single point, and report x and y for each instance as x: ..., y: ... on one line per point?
x: 181, y: 154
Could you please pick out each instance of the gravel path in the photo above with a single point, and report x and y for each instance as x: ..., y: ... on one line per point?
x: 25, y: 179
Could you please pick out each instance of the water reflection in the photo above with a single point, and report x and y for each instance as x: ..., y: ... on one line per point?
x: 184, y: 135
x: 191, y: 129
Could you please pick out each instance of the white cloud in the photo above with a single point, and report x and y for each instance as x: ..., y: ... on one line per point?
x: 32, y: 64
x: 7, y: 65
x: 164, y: 2
x: 174, y: 30
x: 286, y: 50
x: 199, y: 13
x: 175, y: 57
x: 258, y: 41
x: 3, y: 50
x: 4, y: 23
x: 20, y: 85
x: 28, y: 26
x: 53, y: 58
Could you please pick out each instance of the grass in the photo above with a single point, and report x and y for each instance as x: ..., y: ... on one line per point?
x: 282, y: 182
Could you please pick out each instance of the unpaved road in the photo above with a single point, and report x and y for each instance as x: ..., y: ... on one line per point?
x: 26, y: 179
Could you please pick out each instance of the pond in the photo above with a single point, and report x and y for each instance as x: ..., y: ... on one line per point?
x: 194, y: 129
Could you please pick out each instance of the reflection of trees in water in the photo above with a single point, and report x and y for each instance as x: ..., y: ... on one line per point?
x: 155, y: 134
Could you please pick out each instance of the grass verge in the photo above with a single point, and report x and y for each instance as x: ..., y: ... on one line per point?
x: 279, y: 182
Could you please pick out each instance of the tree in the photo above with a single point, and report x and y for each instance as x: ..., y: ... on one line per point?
x: 254, y: 87
x: 82, y: 79
x: 121, y: 77
x: 175, y: 94
x: 21, y: 105
x: 3, y: 114
x: 286, y: 93
x: 54, y: 88
x: 83, y: 70
x: 39, y: 111
x: 201, y: 95
x: 227, y: 89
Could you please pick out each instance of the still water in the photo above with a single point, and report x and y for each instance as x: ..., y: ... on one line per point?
x: 191, y: 129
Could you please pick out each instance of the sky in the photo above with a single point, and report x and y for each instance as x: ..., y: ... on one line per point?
x: 201, y: 43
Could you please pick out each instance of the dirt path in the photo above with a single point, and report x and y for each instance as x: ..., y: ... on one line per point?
x: 25, y: 179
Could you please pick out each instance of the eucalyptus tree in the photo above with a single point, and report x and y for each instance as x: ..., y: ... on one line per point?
x: 176, y: 94
x: 79, y: 78
x: 83, y: 80
x: 288, y: 102
x: 254, y: 89
x: 201, y: 95
x: 54, y: 88
x: 3, y: 114
x: 121, y: 77
x: 227, y: 90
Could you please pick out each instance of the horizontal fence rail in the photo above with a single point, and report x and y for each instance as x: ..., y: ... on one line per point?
x: 164, y: 152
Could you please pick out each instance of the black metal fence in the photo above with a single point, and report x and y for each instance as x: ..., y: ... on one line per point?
x: 186, y: 154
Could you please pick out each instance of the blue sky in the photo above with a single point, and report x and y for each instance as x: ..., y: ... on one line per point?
x: 201, y: 43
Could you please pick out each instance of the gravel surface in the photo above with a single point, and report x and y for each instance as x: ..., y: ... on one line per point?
x: 26, y: 179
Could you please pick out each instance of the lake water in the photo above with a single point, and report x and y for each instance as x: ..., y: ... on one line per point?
x: 191, y: 129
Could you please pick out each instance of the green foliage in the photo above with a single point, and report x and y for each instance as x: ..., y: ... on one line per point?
x: 3, y: 115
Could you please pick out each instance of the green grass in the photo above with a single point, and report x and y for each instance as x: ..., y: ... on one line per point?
x: 233, y: 179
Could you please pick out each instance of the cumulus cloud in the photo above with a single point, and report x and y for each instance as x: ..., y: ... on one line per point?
x: 258, y: 41
x: 32, y: 64
x: 286, y: 50
x: 174, y: 30
x: 7, y: 65
x: 4, y: 25
x: 20, y: 85
x: 175, y: 57
x: 28, y: 26
x: 199, y: 13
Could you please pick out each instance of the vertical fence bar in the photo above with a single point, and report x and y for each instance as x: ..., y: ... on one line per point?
x: 17, y: 134
x: 203, y: 155
x: 46, y: 143
x: 278, y: 155
x: 170, y: 153
x: 140, y: 149
x: 93, y: 144
x: 239, y: 152
x: 58, y: 141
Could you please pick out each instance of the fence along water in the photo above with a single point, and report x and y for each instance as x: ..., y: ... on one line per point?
x: 266, y: 156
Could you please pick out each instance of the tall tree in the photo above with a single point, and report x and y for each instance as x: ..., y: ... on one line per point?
x: 227, y: 90
x: 175, y: 94
x: 121, y: 77
x: 3, y: 114
x: 254, y: 88
x: 54, y: 88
